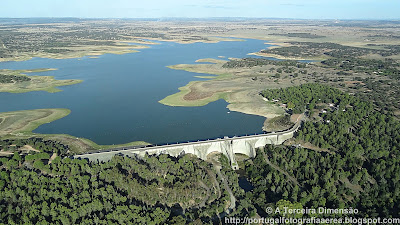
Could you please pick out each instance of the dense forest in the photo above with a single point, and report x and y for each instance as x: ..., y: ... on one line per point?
x: 360, y: 168
x: 150, y: 190
x: 307, y: 96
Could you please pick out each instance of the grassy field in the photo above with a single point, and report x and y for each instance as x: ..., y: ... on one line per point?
x: 24, y: 122
x: 20, y: 124
x: 37, y: 83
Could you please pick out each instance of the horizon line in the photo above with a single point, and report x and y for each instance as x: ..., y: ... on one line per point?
x: 198, y: 18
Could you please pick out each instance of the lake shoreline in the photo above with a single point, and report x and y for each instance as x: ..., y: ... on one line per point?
x: 36, y: 83
x: 121, y: 47
x: 199, y: 93
x: 106, y: 136
x: 20, y: 125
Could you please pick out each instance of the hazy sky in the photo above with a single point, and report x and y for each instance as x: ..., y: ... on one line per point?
x: 306, y: 9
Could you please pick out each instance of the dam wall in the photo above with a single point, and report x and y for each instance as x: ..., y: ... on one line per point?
x: 229, y: 146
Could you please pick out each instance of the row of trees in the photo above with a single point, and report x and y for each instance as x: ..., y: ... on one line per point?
x: 251, y: 62
x: 4, y: 79
x: 301, y: 35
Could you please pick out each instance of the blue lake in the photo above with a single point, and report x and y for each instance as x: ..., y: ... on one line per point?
x: 118, y: 99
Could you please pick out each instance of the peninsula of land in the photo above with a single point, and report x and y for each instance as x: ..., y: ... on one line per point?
x: 235, y: 86
x: 15, y: 81
x: 20, y: 124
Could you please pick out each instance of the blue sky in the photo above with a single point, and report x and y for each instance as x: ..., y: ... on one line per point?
x: 305, y: 9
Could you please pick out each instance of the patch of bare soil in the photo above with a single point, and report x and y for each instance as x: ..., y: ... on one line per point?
x: 353, y: 82
x: 5, y: 153
x: 196, y: 94
x: 28, y: 148
x: 78, y: 144
x: 295, y: 117
x: 52, y: 157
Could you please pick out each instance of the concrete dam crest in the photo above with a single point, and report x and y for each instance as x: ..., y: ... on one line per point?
x: 228, y: 146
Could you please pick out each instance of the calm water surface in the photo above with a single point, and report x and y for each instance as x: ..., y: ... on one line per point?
x: 118, y: 100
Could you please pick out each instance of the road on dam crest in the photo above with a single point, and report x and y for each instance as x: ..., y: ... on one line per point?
x: 228, y: 146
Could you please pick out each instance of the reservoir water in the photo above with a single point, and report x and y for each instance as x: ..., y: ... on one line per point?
x: 117, y: 102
